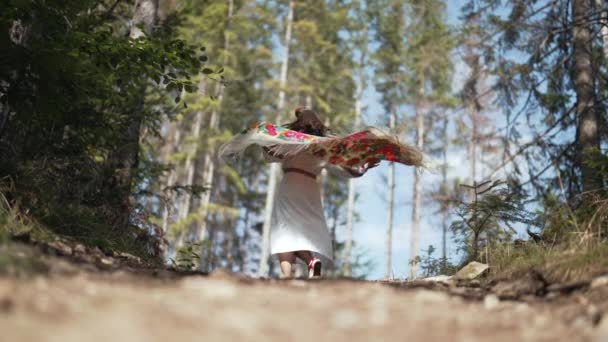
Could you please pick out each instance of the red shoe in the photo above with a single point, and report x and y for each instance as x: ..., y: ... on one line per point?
x: 314, y: 268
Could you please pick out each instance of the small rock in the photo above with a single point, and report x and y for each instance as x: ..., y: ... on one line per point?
x: 444, y: 279
x: 471, y: 271
x: 129, y: 256
x: 599, y: 282
x: 79, y: 248
x: 106, y: 261
x: 61, y: 248
x: 491, y: 302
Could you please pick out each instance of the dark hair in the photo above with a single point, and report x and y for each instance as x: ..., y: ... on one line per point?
x: 308, y: 121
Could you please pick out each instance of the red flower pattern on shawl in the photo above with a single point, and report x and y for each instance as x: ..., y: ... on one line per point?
x: 270, y: 129
x: 296, y: 135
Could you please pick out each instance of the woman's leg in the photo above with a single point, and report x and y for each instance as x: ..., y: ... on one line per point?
x: 286, y: 259
x: 314, y: 270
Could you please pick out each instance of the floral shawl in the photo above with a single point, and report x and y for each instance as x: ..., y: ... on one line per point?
x: 368, y: 146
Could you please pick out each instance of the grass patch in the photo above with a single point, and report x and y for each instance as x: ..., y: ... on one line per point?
x: 15, y: 259
x: 558, y: 264
x: 73, y: 224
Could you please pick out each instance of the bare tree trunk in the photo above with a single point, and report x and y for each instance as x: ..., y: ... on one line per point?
x: 146, y: 14
x: 335, y: 215
x: 350, y: 211
x: 254, y: 185
x: 390, y: 202
x: 174, y: 136
x: 189, y: 166
x: 231, y: 229
x: 209, y: 163
x: 471, y: 148
x: 417, y: 193
x: 274, y: 167
x: 444, y: 193
x: 323, y: 177
x: 583, y: 79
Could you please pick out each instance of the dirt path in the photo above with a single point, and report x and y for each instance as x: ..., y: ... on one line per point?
x: 77, y: 305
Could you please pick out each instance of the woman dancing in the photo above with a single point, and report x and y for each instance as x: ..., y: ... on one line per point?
x: 298, y: 223
x: 304, y: 147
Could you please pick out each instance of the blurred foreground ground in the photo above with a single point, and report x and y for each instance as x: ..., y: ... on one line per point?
x: 84, y: 302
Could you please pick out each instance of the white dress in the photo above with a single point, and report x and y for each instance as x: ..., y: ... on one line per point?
x: 298, y: 221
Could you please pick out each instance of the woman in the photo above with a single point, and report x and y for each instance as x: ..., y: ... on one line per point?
x: 298, y: 223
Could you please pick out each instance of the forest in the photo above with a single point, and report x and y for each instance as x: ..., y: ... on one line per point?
x: 112, y: 111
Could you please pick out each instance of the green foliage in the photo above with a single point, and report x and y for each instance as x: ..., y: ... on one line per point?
x: 187, y: 257
x: 489, y: 218
x: 71, y: 84
x: 432, y: 266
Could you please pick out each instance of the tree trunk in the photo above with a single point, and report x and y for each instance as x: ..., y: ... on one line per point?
x: 174, y: 136
x: 417, y: 193
x: 231, y: 230
x: 389, y: 227
x: 189, y: 166
x: 390, y: 202
x: 254, y: 186
x: 471, y: 150
x: 444, y: 193
x: 146, y: 14
x: 125, y: 161
x: 209, y: 163
x: 350, y: 211
x: 583, y: 79
x: 274, y: 167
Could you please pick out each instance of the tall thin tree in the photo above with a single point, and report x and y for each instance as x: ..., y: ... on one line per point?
x: 275, y: 167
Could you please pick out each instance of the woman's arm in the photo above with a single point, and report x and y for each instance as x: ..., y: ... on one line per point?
x: 352, y: 172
